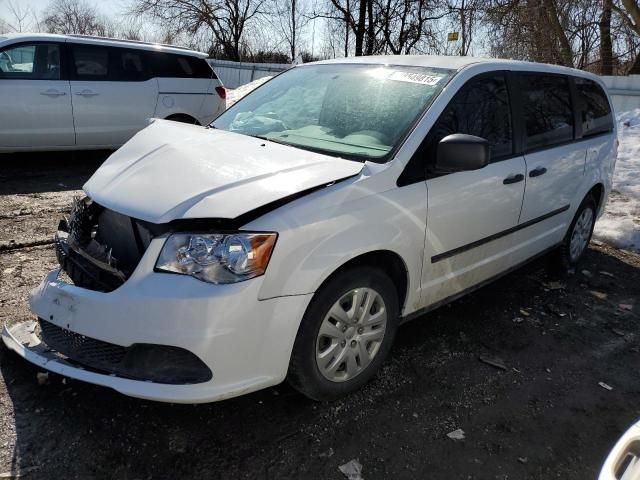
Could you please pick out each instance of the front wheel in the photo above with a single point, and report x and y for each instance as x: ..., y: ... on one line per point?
x: 345, y: 335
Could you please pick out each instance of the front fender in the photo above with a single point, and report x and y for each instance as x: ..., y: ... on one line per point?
x: 321, y: 232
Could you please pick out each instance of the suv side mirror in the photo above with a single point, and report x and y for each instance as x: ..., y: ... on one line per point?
x: 459, y: 152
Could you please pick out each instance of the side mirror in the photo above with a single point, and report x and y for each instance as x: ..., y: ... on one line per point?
x: 459, y: 152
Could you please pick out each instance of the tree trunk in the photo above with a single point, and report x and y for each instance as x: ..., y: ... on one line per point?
x: 360, y: 29
x: 566, y: 54
x: 293, y: 31
x: 606, y: 47
x: 347, y: 27
x: 370, y: 31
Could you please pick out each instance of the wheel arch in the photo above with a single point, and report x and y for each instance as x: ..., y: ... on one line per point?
x: 183, y: 117
x: 597, y: 192
x: 387, y: 261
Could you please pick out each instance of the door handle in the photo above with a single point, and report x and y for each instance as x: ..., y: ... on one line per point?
x: 53, y: 93
x: 513, y: 179
x: 87, y: 93
x: 536, y: 172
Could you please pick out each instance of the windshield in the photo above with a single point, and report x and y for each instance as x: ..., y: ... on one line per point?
x: 355, y: 111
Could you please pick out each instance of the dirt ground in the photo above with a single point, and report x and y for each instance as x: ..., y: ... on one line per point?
x: 543, y: 416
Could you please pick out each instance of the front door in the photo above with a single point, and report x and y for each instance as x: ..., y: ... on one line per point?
x: 114, y: 95
x: 471, y: 215
x: 35, y: 99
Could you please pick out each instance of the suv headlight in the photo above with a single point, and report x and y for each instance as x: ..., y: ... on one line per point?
x: 217, y: 257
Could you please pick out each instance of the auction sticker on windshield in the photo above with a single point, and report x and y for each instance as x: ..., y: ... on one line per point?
x: 415, y: 77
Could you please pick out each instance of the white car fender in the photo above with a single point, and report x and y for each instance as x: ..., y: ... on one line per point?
x: 321, y: 232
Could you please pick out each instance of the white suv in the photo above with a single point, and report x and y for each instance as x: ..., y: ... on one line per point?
x: 294, y: 236
x: 64, y: 91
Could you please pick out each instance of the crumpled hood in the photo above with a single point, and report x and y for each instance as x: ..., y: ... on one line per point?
x: 172, y: 171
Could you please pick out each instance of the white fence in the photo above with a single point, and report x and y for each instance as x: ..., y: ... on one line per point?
x: 236, y: 74
x: 624, y: 92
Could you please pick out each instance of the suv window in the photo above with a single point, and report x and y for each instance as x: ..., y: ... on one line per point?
x: 90, y: 62
x: 481, y: 108
x: 129, y: 65
x: 548, y: 114
x: 39, y: 61
x: 180, y: 66
x: 594, y: 108
x: 114, y: 64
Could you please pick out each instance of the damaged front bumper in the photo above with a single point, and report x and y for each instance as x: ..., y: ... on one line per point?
x: 246, y: 343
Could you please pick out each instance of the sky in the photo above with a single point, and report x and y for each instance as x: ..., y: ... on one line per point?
x: 109, y: 7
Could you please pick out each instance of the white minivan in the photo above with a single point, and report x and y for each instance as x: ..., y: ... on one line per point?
x: 60, y: 92
x: 291, y: 237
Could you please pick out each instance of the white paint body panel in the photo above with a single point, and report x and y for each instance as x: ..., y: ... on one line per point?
x: 228, y: 174
x: 35, y: 113
x: 110, y: 113
x: 245, y: 332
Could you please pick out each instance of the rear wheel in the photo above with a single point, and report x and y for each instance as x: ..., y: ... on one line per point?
x: 345, y: 335
x: 576, y: 241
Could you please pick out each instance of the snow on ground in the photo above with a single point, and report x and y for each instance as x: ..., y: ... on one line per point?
x: 620, y: 224
x: 233, y: 95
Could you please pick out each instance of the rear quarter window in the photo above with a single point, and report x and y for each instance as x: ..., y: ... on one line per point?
x: 180, y: 66
x: 594, y: 109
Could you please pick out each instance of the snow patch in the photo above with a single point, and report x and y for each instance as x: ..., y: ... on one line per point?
x: 237, y: 93
x: 620, y: 223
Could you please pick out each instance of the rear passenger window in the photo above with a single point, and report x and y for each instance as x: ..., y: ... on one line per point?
x: 594, y: 108
x: 128, y: 65
x: 90, y: 62
x: 548, y: 115
x: 480, y: 108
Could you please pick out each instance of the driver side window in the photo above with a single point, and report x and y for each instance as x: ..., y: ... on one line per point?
x: 480, y: 108
x: 40, y: 61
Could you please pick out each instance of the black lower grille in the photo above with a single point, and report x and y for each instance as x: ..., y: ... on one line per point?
x: 142, y: 361
x: 80, y: 348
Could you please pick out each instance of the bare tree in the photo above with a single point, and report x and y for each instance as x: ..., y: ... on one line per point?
x: 22, y: 19
x: 226, y: 19
x: 289, y: 18
x: 73, y: 16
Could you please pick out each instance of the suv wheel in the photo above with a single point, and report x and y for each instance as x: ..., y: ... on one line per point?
x: 577, y: 239
x: 345, y: 335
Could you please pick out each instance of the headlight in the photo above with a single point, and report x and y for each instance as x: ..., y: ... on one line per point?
x: 217, y: 258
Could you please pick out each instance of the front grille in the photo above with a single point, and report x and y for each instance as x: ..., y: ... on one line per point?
x: 141, y: 361
x: 99, y: 248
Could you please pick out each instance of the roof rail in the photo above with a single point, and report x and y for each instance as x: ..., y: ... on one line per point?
x: 138, y: 42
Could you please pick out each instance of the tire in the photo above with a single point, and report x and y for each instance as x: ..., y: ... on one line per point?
x: 333, y: 358
x: 576, y: 241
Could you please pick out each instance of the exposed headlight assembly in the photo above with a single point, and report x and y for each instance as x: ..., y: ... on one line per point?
x: 217, y: 257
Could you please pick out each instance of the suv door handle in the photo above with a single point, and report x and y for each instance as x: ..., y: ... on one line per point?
x: 536, y: 172
x: 87, y: 93
x: 53, y: 93
x: 513, y: 179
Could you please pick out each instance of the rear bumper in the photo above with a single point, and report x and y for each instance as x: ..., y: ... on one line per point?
x: 245, y: 342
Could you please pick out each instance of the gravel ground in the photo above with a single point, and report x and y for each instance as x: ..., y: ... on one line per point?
x: 543, y: 415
